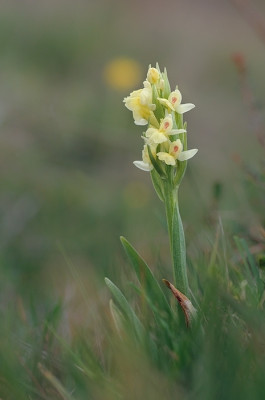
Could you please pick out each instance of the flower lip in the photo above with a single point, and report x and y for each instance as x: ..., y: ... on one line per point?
x: 176, y: 152
x: 174, y: 103
x: 143, y: 166
x: 169, y: 160
x: 146, y: 164
x: 186, y: 155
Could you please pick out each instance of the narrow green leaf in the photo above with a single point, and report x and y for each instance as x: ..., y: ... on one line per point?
x: 139, y: 329
x: 243, y: 258
x: 129, y: 313
x: 117, y: 317
x: 90, y: 372
x: 55, y: 383
x: 164, y: 326
x: 155, y: 164
x: 167, y: 89
x: 157, y: 184
x: 255, y: 288
x: 252, y: 263
x: 179, y: 254
x: 157, y: 67
x: 159, y: 111
x: 146, y: 278
x: 253, y: 266
x: 178, y: 246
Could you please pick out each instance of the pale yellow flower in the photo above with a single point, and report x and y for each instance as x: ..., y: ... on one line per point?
x: 155, y: 136
x: 155, y: 78
x: 140, y: 103
x: 174, y: 103
x: 146, y: 164
x: 176, y: 153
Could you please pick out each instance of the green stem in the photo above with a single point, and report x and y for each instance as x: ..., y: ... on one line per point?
x: 176, y: 238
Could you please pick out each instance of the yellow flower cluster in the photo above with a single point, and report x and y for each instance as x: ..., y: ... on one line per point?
x: 159, y: 108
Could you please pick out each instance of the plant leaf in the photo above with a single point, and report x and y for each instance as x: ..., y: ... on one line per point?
x: 159, y: 111
x: 251, y: 268
x: 155, y: 164
x: 146, y: 278
x: 186, y: 305
x: 157, y: 184
x: 167, y: 89
x: 139, y: 329
x: 130, y: 314
x: 117, y: 317
x: 55, y: 383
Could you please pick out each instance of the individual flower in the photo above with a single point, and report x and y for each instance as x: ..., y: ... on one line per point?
x: 176, y: 153
x: 153, y: 76
x: 146, y: 164
x: 140, y: 103
x: 155, y: 136
x: 174, y: 103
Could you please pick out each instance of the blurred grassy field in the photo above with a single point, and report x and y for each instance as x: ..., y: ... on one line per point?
x: 67, y: 143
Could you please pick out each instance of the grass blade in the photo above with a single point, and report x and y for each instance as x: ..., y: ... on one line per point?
x: 139, y: 329
x: 148, y: 282
x: 55, y: 383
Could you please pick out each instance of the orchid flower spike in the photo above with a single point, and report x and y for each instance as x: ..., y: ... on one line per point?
x: 176, y: 153
x: 174, y: 103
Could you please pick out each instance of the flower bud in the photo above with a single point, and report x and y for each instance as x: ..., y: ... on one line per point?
x: 162, y: 84
x: 153, y: 75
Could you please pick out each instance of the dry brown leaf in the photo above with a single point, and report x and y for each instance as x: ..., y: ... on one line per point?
x: 185, y: 303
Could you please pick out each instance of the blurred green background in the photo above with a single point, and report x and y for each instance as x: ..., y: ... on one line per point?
x: 67, y: 142
x: 68, y: 187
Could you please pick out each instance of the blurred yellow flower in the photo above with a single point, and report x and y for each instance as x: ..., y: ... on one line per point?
x: 122, y: 73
